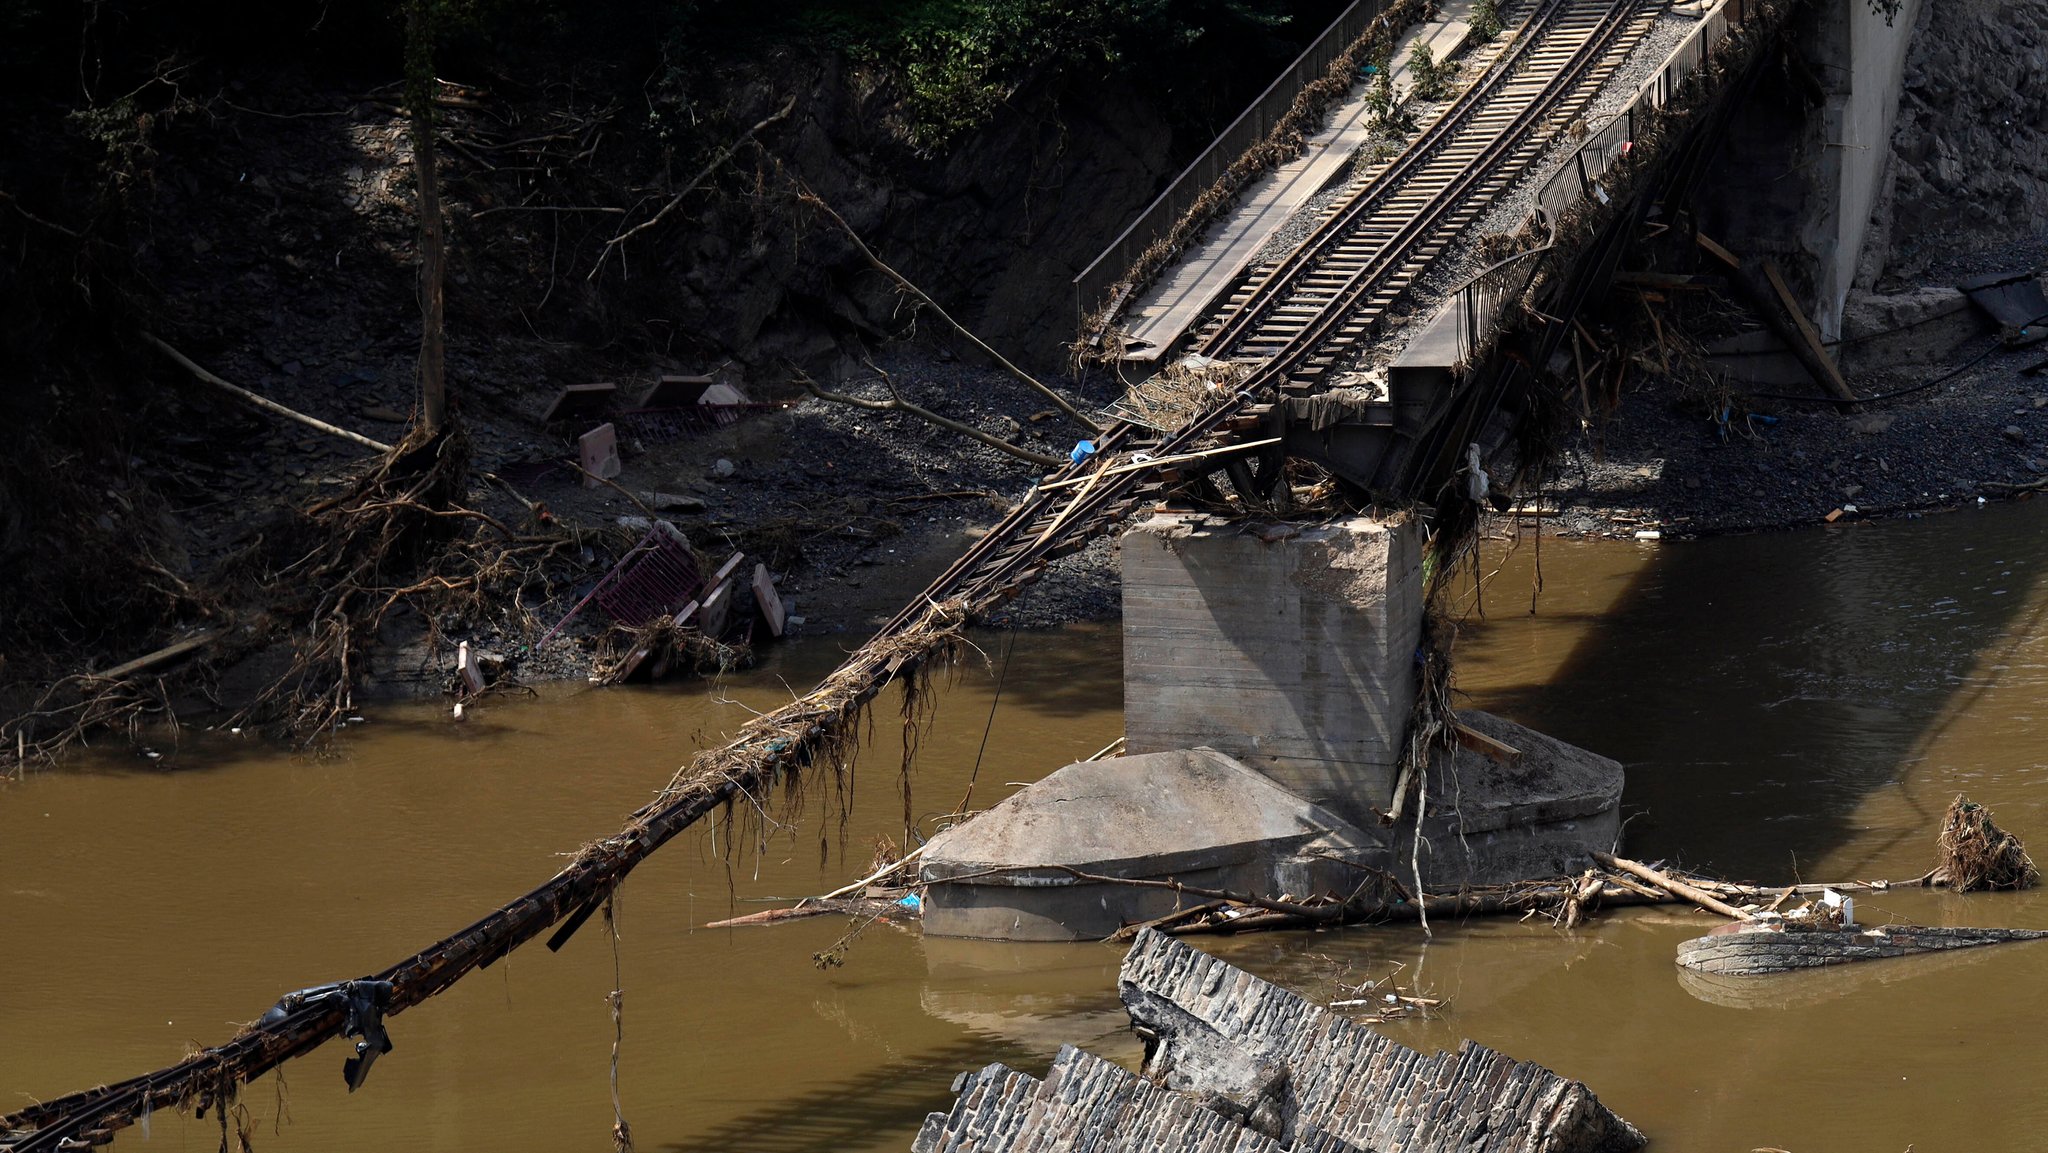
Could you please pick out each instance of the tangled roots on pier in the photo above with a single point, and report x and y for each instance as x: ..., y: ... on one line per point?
x: 1977, y: 854
x: 661, y: 645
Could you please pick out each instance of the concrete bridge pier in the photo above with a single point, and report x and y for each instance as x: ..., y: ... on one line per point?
x: 1290, y: 647
x: 1269, y: 678
x: 1805, y: 166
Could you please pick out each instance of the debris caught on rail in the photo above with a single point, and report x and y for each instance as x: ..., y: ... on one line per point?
x: 1566, y: 901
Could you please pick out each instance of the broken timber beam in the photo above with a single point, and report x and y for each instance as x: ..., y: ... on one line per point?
x: 1499, y: 752
x: 163, y: 656
x: 262, y: 402
x: 1697, y: 896
x: 1819, y: 352
x: 1781, y: 313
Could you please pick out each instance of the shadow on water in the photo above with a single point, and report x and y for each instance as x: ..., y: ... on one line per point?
x: 1758, y: 688
x: 848, y: 1112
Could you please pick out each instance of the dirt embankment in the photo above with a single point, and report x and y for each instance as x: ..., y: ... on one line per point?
x: 1965, y: 408
x: 610, y: 218
x: 261, y: 220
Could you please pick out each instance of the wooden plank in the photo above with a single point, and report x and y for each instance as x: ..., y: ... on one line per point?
x: 163, y: 656
x: 1784, y: 317
x: 731, y: 566
x: 1834, y: 381
x: 1719, y: 253
x: 1500, y: 752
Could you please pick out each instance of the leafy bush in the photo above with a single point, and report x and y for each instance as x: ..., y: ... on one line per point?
x: 1432, y: 80
x: 1486, y: 21
x: 958, y: 61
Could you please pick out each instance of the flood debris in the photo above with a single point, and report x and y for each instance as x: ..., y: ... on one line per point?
x: 1778, y: 944
x: 1567, y: 902
x: 597, y: 453
x: 1236, y: 1063
x: 809, y: 738
x: 1976, y: 854
x: 668, y: 617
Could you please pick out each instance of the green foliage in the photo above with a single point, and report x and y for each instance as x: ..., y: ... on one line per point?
x: 957, y: 61
x: 1486, y: 22
x: 1432, y: 80
x: 1379, y: 99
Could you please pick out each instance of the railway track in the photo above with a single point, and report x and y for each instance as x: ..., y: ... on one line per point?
x: 1302, y: 314
x: 1308, y: 311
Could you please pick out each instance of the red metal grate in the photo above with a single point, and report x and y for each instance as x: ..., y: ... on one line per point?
x: 658, y: 576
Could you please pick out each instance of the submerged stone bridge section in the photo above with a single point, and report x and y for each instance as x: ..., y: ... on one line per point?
x: 1236, y: 1063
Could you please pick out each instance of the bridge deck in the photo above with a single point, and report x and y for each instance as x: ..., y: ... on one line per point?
x: 1187, y: 291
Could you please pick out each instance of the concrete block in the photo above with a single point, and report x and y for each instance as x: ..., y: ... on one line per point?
x: 598, y: 452
x: 716, y: 610
x: 579, y: 401
x: 675, y: 391
x: 1294, y: 655
x: 1492, y: 821
x: 1196, y: 816
x: 768, y: 599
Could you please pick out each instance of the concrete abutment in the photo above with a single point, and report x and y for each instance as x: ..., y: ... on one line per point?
x: 1806, y: 165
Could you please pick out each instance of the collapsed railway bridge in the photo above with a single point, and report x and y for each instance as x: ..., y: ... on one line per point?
x: 1296, y: 326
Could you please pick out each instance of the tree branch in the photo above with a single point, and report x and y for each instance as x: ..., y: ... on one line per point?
x: 34, y: 219
x: 896, y: 403
x: 724, y: 155
x: 263, y: 402
x: 806, y: 196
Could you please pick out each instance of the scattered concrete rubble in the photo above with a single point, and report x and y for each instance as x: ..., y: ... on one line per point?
x: 1235, y: 1063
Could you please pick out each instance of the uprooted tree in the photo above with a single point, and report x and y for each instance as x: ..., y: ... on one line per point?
x: 324, y: 581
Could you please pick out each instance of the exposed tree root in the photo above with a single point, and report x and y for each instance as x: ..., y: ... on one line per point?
x: 1977, y: 854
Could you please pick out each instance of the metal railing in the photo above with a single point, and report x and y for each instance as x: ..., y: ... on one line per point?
x: 1579, y: 176
x: 1250, y: 127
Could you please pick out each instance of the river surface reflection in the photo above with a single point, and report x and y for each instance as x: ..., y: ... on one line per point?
x: 1793, y: 703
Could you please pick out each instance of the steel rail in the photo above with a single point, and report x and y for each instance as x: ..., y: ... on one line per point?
x: 1268, y: 287
x: 1425, y: 226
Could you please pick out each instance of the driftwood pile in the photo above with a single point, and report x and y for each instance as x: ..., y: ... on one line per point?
x: 1977, y: 854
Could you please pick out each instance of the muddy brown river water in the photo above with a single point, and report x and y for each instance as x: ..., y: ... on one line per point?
x: 1792, y: 704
